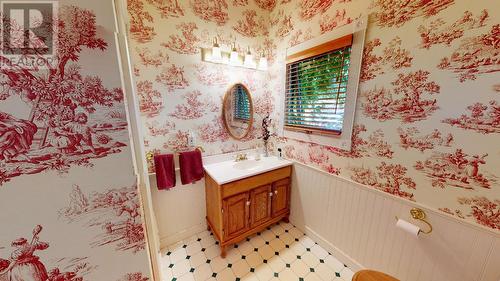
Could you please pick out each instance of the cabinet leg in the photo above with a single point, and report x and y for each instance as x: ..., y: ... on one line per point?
x: 223, y: 252
x: 286, y: 219
x: 208, y: 227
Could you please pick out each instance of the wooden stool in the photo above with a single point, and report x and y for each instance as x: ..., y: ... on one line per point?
x: 371, y: 275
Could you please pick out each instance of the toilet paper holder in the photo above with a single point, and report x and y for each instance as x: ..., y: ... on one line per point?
x: 419, y: 214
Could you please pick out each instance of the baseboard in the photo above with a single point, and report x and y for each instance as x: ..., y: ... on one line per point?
x: 339, y: 254
x: 181, y: 235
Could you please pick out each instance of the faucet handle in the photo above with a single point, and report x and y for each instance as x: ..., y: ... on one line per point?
x: 241, y: 157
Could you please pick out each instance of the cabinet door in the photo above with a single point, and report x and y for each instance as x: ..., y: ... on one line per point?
x: 236, y: 215
x: 281, y: 197
x: 260, y: 207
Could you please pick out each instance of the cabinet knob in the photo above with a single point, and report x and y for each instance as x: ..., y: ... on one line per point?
x: 275, y: 192
x: 248, y: 203
x: 270, y: 194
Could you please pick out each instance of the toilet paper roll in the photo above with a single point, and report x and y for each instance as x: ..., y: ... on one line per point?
x: 408, y: 227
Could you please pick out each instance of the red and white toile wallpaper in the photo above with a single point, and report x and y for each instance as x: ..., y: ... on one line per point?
x: 180, y: 95
x: 428, y: 115
x: 69, y: 205
x: 428, y: 118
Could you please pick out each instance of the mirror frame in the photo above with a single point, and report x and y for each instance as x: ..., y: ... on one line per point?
x: 226, y: 125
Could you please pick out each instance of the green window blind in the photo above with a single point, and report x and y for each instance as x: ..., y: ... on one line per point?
x: 241, y: 105
x: 316, y: 89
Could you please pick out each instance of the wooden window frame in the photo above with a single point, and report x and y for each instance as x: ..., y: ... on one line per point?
x: 318, y: 45
x: 329, y: 46
x: 336, y: 44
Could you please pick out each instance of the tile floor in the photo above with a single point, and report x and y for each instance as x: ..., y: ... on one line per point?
x: 282, y: 252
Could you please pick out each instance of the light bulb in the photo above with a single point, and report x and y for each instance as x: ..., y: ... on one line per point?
x: 249, y: 59
x: 235, y: 57
x: 263, y: 63
x: 216, y: 52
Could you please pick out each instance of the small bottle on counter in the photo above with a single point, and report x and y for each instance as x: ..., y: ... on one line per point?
x: 257, y: 154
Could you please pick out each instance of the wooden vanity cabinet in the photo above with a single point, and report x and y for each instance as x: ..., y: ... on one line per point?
x: 239, y: 209
x: 236, y: 214
x: 260, y: 205
x: 281, y: 197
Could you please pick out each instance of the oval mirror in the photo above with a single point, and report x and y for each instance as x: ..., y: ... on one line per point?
x: 237, y: 111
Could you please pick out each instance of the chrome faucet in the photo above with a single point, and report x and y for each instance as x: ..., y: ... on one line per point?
x: 241, y: 157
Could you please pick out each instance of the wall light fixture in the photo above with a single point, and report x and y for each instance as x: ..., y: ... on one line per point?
x: 216, y: 54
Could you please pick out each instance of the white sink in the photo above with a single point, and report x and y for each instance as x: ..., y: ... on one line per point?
x: 229, y: 171
x: 248, y: 165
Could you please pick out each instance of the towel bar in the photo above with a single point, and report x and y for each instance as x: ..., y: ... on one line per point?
x: 150, y: 155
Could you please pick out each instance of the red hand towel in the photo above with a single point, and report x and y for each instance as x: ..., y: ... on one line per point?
x: 191, y: 166
x: 165, y: 171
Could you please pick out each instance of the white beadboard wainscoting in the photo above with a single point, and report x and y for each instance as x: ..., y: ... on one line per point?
x: 357, y: 224
x: 180, y: 212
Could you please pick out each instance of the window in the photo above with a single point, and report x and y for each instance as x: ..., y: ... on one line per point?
x: 321, y: 86
x: 241, y: 104
x: 316, y: 88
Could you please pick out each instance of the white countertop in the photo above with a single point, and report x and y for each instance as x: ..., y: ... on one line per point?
x: 229, y: 170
